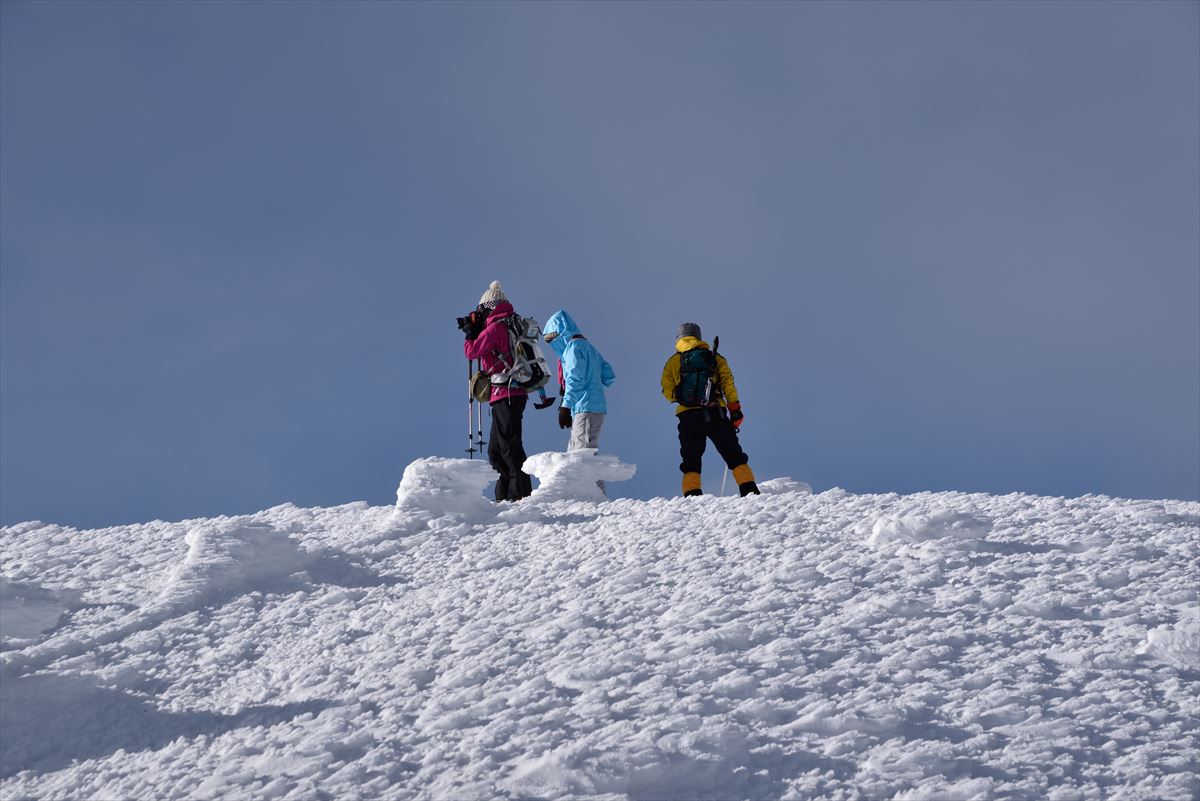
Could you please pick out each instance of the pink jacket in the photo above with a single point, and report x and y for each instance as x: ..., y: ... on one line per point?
x: 494, y: 337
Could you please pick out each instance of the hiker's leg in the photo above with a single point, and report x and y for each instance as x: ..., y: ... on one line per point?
x: 725, y: 440
x: 585, y: 430
x: 495, y: 450
x: 519, y: 482
x: 692, y: 441
x: 507, y: 428
x: 585, y: 433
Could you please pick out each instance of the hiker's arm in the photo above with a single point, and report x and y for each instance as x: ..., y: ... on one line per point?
x: 670, y: 377
x: 485, y: 343
x: 725, y: 378
x: 574, y: 376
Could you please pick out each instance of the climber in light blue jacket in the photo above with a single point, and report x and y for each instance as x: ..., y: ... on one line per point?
x: 582, y: 376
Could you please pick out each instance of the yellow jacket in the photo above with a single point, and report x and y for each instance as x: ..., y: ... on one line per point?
x: 727, y: 392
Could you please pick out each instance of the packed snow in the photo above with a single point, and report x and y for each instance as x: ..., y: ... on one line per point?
x: 790, y: 645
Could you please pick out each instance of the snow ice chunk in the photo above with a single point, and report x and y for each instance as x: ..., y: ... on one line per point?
x: 28, y: 611
x: 441, y: 487
x: 1178, y: 645
x: 573, y: 475
x: 784, y: 486
x: 938, y: 525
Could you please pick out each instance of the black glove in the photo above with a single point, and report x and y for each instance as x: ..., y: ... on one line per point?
x: 735, y: 414
x: 564, y: 417
x: 473, y: 323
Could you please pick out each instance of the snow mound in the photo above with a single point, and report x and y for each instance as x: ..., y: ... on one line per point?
x: 943, y: 524
x: 573, y: 475
x: 1178, y: 645
x: 784, y: 486
x: 444, y: 487
x: 28, y: 611
x: 226, y: 560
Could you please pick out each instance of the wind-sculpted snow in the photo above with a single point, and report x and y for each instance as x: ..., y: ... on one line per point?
x: 29, y: 611
x: 1177, y: 645
x: 223, y: 560
x: 917, y: 527
x: 444, y: 487
x: 574, y: 475
x: 783, y: 486
x: 455, y: 487
x: 784, y: 646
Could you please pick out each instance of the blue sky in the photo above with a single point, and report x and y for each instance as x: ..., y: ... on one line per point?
x: 945, y: 246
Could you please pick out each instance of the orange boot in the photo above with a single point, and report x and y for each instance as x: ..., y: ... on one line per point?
x: 744, y: 477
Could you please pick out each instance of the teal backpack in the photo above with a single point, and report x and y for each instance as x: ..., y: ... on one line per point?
x: 697, y: 377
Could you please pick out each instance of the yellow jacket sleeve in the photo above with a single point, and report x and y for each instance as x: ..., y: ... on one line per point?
x: 725, y: 379
x: 670, y: 377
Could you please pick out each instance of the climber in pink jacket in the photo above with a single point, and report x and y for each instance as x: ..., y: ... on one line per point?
x: 487, y: 340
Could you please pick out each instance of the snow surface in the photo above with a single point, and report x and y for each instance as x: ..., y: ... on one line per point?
x: 788, y: 645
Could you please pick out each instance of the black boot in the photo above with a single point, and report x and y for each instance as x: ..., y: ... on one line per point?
x: 748, y: 488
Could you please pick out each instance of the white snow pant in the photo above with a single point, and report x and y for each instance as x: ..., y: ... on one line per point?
x: 585, y: 433
x: 585, y: 430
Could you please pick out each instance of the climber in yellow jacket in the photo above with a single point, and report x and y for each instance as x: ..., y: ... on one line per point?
x: 701, y: 383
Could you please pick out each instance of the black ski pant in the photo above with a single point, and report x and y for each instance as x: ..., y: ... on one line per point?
x: 696, y: 427
x: 506, y: 453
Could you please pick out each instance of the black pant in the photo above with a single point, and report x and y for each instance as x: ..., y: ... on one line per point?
x: 696, y: 427
x: 506, y: 453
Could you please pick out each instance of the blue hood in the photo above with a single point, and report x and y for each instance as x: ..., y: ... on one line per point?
x: 582, y: 370
x: 560, y: 323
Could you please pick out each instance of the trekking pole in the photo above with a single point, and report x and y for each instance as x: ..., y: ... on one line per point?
x: 723, y: 477
x: 479, y: 420
x: 470, y: 414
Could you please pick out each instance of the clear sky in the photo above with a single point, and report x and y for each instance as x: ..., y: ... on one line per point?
x: 945, y: 245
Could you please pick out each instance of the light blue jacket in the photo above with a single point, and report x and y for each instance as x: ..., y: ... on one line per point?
x: 582, y: 371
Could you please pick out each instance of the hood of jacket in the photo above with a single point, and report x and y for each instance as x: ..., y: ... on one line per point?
x: 684, y: 344
x: 503, y: 309
x: 560, y: 323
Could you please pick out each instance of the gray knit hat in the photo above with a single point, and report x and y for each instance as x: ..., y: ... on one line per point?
x: 688, y: 330
x: 493, y: 296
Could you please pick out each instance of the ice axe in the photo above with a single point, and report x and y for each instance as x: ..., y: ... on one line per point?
x: 545, y: 402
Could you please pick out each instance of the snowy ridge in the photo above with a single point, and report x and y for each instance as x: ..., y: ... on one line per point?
x: 791, y: 645
x: 223, y: 560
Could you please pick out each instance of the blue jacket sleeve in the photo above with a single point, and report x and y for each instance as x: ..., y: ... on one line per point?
x: 607, y: 376
x: 574, y: 375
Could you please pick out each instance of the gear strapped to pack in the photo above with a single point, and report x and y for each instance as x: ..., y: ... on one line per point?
x: 527, y: 369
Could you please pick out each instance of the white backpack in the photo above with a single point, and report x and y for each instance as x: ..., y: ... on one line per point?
x: 530, y: 371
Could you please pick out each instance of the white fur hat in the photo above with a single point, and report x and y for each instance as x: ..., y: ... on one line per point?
x: 493, y: 296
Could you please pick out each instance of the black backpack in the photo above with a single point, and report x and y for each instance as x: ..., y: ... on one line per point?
x: 697, y: 371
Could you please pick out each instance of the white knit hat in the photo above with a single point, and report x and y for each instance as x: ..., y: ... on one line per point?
x: 493, y: 296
